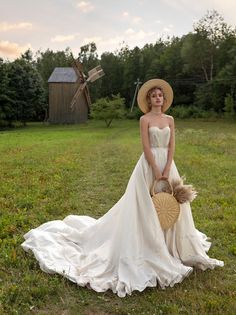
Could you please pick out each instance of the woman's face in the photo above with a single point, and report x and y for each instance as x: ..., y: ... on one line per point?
x: 156, y: 98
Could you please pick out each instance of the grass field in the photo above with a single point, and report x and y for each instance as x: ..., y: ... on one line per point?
x: 48, y: 172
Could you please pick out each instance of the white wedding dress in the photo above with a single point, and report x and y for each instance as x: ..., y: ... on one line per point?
x: 125, y: 249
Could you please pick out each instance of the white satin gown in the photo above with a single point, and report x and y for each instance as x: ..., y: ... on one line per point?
x: 125, y: 249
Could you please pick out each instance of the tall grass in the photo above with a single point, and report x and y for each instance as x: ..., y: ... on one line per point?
x: 48, y: 172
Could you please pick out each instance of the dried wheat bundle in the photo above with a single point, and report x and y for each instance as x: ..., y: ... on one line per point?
x: 182, y: 192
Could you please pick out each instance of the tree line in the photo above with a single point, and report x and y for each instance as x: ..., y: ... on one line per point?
x: 200, y: 66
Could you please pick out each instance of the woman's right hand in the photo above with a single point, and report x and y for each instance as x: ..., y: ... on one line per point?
x: 157, y: 174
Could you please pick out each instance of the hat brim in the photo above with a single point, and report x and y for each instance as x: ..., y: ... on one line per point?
x: 165, y: 87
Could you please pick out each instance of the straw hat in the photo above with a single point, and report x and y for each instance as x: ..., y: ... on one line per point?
x: 167, y: 207
x: 142, y: 94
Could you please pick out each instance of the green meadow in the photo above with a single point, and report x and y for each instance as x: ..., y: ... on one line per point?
x: 48, y: 172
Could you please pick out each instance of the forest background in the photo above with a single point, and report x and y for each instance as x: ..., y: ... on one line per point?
x: 200, y: 66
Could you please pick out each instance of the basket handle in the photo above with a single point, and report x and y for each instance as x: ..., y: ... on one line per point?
x: 161, y: 179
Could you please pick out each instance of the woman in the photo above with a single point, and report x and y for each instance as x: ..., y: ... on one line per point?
x: 126, y: 249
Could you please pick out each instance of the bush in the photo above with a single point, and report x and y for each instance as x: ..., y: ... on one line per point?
x: 192, y: 111
x: 209, y: 96
x: 109, y: 109
x: 179, y: 111
x: 229, y: 110
x: 135, y: 114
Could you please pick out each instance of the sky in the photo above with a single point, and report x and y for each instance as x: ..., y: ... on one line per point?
x: 57, y: 24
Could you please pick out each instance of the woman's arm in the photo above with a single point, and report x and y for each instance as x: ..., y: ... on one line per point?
x: 146, y: 147
x: 171, y: 147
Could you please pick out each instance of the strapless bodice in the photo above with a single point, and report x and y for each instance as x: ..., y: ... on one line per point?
x: 159, y: 137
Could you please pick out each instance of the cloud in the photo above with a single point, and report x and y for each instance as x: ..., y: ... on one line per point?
x: 168, y: 29
x: 198, y: 8
x: 64, y: 38
x: 225, y: 8
x: 132, y: 19
x: 85, y: 6
x: 136, y: 19
x: 129, y: 31
x: 112, y: 41
x: 95, y: 39
x: 129, y: 37
x: 140, y: 35
x: 178, y: 5
x: 12, y: 50
x: 4, y: 26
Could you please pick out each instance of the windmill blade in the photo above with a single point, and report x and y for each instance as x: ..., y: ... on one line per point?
x: 96, y: 69
x: 87, y: 95
x: 77, y: 94
x: 79, y: 65
x: 76, y: 63
x: 78, y: 70
x: 80, y: 75
x: 95, y: 74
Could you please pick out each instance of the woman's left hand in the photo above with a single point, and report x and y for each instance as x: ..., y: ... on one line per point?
x: 165, y: 173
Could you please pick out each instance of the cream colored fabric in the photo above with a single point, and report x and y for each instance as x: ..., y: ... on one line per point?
x: 125, y: 249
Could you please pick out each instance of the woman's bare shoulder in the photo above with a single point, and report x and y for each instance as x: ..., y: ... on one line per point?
x: 170, y: 118
x: 145, y: 118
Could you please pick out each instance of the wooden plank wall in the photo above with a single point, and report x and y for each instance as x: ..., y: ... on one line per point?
x: 60, y: 96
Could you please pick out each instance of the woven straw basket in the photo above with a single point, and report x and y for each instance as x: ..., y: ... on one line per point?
x: 167, y: 207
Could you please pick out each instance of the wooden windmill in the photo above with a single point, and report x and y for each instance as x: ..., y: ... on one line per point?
x: 93, y: 75
x: 69, y: 99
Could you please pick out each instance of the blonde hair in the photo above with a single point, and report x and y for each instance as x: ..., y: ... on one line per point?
x: 148, y: 96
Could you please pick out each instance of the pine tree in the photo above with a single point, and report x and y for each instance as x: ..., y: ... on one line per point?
x: 7, y: 114
x: 29, y: 94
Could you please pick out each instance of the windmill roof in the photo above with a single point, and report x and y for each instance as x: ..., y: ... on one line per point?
x: 63, y: 75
